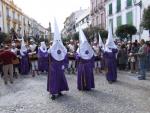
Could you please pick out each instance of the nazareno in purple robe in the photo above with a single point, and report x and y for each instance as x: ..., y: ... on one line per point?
x: 42, y: 60
x: 111, y: 65
x: 24, y: 64
x: 85, y: 77
x: 56, y: 78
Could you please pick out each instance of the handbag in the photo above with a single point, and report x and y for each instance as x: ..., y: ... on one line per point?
x: 15, y: 61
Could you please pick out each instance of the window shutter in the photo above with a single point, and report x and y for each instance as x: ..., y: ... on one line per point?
x: 129, y: 3
x: 119, y: 21
x: 110, y: 9
x: 118, y: 5
x: 130, y: 18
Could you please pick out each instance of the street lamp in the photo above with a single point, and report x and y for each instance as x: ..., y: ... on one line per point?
x: 140, y: 5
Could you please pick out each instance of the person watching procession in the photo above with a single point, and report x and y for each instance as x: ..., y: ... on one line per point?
x: 142, y: 60
x: 33, y: 50
x: 71, y: 56
x: 6, y: 57
x: 16, y: 61
x: 97, y: 64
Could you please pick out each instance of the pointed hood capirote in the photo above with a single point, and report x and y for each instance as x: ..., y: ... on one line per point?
x: 23, y: 47
x: 85, y: 51
x: 101, y: 44
x: 57, y: 50
x: 43, y: 47
x: 110, y: 44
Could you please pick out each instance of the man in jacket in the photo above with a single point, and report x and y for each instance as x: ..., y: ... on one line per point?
x: 6, y: 57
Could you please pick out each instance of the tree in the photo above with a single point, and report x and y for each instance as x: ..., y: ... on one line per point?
x: 104, y: 34
x: 146, y: 19
x: 3, y: 36
x: 66, y: 39
x: 126, y: 31
x: 91, y: 32
x: 76, y: 36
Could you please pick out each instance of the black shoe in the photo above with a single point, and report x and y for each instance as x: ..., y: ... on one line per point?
x: 11, y: 82
x: 53, y: 97
x: 110, y: 82
x: 141, y: 78
x: 5, y: 83
x: 114, y: 81
x: 60, y: 94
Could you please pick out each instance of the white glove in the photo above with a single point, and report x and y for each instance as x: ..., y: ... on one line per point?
x: 63, y: 67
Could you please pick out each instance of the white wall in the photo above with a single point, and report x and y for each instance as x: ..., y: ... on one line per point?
x: 1, y: 19
x: 136, y: 16
x: 83, y: 26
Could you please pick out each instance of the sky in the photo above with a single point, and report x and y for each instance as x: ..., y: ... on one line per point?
x: 45, y: 10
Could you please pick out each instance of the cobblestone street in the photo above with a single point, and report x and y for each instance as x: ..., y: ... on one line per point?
x: 29, y: 95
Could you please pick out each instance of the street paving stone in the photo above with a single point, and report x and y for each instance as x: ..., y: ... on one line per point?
x: 29, y: 95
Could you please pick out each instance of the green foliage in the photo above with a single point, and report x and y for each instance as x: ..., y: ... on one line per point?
x: 91, y: 33
x: 40, y: 39
x: 75, y: 36
x: 3, y: 37
x: 66, y: 39
x: 146, y: 19
x: 104, y: 34
x: 126, y: 31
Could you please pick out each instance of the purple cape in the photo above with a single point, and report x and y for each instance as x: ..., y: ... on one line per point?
x: 56, y: 78
x: 42, y: 60
x: 85, y: 77
x: 111, y: 65
x: 24, y: 64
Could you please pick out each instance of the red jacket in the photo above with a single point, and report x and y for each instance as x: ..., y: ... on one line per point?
x: 7, y: 56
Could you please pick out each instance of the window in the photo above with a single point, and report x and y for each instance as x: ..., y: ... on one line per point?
x: 7, y: 10
x: 119, y: 21
x: 18, y: 17
x: 8, y: 28
x: 110, y: 9
x: 118, y: 5
x: 129, y: 18
x: 97, y: 20
x: 96, y: 3
x: 129, y: 3
x: 13, y: 15
x: 102, y: 20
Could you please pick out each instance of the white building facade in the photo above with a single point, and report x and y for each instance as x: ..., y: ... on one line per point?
x: 11, y: 16
x: 120, y: 12
x: 83, y: 20
x: 1, y: 17
x: 70, y: 23
x: 98, y: 13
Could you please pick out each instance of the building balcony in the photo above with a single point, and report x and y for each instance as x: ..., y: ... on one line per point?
x: 101, y: 26
x: 8, y: 18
